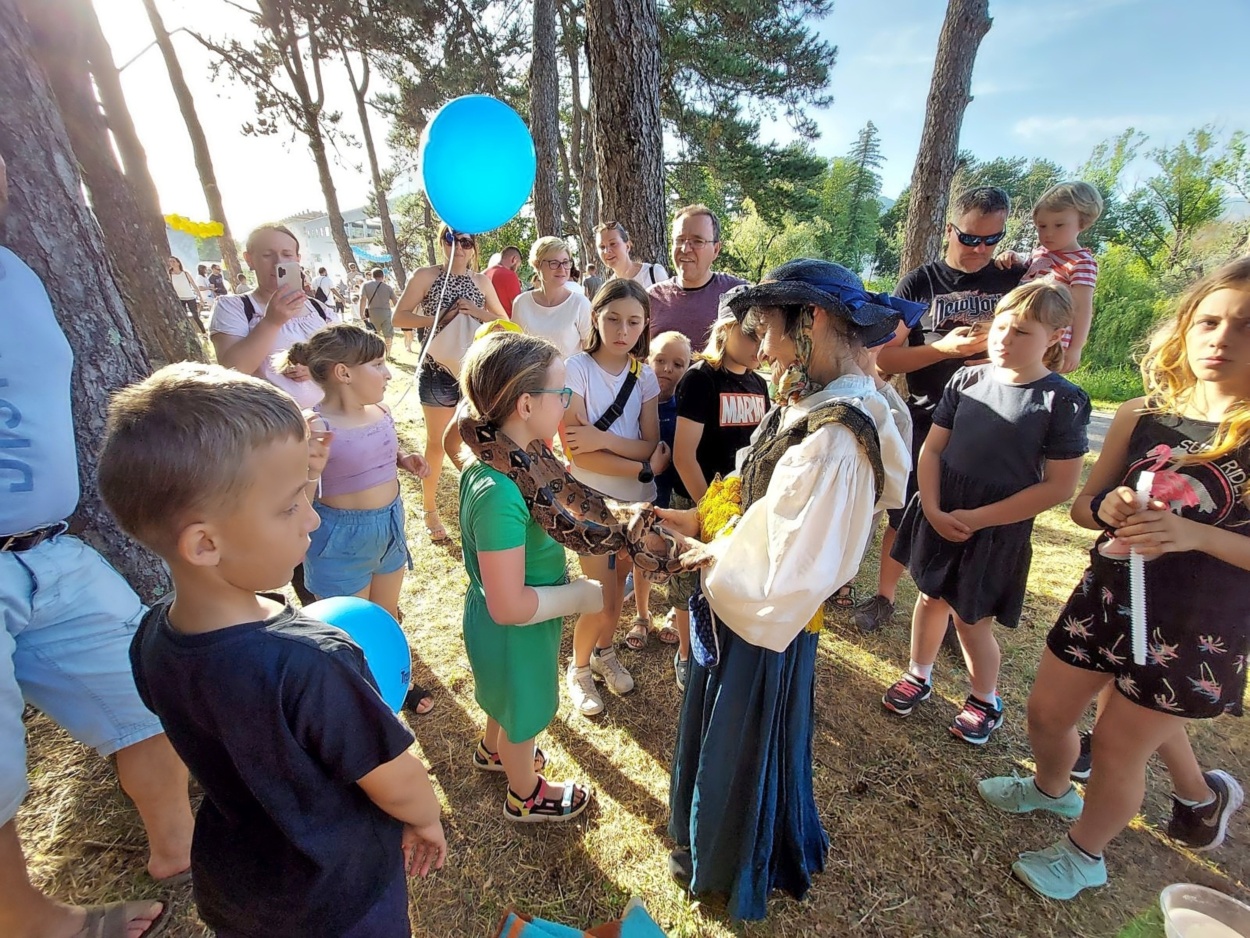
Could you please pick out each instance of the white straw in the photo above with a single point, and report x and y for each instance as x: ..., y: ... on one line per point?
x: 1137, y: 576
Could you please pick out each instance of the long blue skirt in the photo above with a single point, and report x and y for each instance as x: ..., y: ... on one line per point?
x: 741, y: 798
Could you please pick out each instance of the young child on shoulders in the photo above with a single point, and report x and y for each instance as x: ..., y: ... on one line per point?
x: 1192, y: 431
x: 611, y: 432
x: 670, y: 357
x: 519, y: 592
x: 314, y: 806
x: 1007, y: 443
x: 1062, y: 213
x: 720, y: 402
x: 360, y: 548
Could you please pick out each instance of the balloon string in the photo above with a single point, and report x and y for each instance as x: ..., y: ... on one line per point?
x: 438, y: 311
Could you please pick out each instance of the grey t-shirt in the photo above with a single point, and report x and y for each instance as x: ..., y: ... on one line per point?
x: 1004, y: 433
x: 378, y: 295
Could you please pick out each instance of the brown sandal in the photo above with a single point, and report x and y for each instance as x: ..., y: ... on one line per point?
x: 110, y: 921
x: 639, y: 632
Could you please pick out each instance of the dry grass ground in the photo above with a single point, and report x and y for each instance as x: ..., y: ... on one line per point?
x: 914, y: 850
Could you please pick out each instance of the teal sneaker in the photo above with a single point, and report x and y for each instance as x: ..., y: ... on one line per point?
x: 1060, y: 871
x: 1020, y: 796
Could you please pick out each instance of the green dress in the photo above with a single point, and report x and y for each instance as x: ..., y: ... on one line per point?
x: 515, y: 668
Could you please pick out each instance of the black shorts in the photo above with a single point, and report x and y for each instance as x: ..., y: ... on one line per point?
x: 436, y: 386
x: 1187, y: 673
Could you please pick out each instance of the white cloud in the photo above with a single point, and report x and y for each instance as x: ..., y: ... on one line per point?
x: 1086, y: 129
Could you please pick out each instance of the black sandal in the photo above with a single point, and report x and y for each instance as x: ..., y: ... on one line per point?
x: 489, y: 761
x: 844, y: 597
x: 412, y: 701
x: 538, y: 807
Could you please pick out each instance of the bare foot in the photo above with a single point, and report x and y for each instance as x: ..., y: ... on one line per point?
x: 139, y: 917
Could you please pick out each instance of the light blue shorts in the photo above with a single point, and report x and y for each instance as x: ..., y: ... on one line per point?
x: 68, y: 618
x: 352, y: 545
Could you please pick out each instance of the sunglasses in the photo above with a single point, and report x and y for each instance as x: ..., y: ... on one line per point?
x: 464, y: 241
x: 973, y: 241
x: 566, y: 394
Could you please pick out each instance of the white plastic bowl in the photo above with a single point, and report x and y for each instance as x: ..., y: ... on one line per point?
x: 1191, y: 911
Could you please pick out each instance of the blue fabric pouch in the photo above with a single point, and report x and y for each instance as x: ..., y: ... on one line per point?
x: 704, y: 642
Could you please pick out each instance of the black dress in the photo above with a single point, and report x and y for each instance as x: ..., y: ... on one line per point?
x: 1000, y: 438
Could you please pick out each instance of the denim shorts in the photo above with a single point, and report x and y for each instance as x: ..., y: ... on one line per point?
x: 436, y: 386
x: 352, y: 545
x: 68, y: 618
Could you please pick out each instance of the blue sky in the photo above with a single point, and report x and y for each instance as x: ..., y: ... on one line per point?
x: 1051, y: 80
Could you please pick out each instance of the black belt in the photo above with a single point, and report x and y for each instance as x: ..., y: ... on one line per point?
x: 27, y: 540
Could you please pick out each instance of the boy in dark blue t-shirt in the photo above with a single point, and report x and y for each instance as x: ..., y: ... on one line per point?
x: 314, y: 808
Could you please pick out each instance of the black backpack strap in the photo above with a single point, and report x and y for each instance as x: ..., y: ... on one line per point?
x: 320, y: 308
x: 613, y: 413
x: 249, y: 311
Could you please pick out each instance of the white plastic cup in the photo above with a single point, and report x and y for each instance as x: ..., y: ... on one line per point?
x: 1191, y: 911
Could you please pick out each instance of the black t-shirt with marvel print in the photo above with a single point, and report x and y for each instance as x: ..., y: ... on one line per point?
x: 277, y: 720
x: 954, y: 298
x: 729, y: 406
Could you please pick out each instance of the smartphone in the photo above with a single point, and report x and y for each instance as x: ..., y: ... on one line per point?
x: 289, y: 275
x: 981, y: 327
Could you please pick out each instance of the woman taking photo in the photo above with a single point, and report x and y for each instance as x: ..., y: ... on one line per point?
x: 468, y: 299
x: 743, y: 809
x: 552, y: 311
x: 186, y: 290
x: 612, y: 241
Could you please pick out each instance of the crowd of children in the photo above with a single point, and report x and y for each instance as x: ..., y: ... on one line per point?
x: 314, y: 805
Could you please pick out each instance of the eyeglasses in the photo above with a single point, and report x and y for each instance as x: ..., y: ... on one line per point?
x: 566, y: 394
x: 973, y: 241
x: 464, y: 241
x: 692, y: 243
x: 557, y: 265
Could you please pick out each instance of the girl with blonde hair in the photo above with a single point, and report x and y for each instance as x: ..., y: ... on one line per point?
x: 1191, y: 431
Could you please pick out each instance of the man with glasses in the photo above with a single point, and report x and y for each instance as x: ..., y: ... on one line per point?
x: 688, y: 301
x: 961, y: 290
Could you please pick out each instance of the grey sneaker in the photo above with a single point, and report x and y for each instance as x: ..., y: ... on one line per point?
x: 582, y: 690
x: 1020, y: 796
x: 873, y: 613
x: 681, y: 667
x: 605, y: 664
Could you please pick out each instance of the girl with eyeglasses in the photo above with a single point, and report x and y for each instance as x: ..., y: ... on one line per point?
x: 551, y: 310
x: 611, y: 432
x: 468, y: 298
x: 519, y: 592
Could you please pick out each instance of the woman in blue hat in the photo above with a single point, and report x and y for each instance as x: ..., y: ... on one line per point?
x: 824, y: 459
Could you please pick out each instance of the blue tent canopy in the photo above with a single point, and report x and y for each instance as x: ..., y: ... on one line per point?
x: 371, y: 258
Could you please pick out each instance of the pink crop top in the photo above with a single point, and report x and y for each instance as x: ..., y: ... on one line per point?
x: 360, y: 457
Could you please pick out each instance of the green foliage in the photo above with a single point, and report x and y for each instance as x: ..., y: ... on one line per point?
x: 889, y: 243
x: 1128, y: 301
x: 752, y: 246
x: 1109, y: 386
x: 851, y: 202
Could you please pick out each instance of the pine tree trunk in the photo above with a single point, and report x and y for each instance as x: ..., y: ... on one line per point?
x: 545, y: 118
x: 59, y: 45
x: 50, y: 227
x: 581, y: 149
x: 428, y: 214
x: 967, y: 22
x: 623, y: 49
x: 199, y: 142
x: 379, y: 191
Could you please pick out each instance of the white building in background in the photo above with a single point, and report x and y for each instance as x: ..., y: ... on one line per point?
x: 317, y: 244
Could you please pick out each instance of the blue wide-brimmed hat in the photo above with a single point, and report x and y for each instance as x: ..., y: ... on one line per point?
x: 811, y: 282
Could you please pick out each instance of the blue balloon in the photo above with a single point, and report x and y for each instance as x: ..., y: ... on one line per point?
x: 379, y: 637
x: 477, y: 163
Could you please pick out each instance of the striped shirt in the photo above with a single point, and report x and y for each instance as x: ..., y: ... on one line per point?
x: 1071, y: 268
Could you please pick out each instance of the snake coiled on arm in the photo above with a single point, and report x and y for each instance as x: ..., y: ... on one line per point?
x: 577, y: 516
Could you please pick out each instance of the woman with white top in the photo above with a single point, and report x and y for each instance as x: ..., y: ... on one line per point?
x: 612, y: 241
x: 552, y: 310
x: 186, y: 290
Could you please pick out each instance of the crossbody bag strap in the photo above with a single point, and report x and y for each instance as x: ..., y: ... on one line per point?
x: 613, y: 413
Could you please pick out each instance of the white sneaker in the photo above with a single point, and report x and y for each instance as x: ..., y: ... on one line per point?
x: 582, y: 690
x: 605, y: 664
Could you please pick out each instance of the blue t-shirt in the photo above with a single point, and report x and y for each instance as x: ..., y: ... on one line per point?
x: 277, y: 720
x: 38, y: 461
x: 665, y: 481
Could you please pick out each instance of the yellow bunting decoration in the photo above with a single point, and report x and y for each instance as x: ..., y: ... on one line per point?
x: 197, y: 229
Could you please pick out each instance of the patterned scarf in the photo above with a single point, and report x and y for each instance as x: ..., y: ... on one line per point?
x: 794, y: 384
